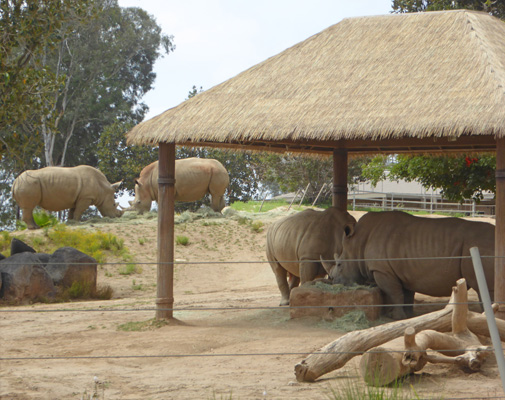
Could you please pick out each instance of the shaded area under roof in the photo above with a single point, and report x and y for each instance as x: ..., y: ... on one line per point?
x: 395, y: 83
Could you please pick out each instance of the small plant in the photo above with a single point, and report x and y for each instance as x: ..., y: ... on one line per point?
x: 130, y: 269
x: 142, y: 241
x: 135, y: 286
x: 182, y: 240
x: 5, y: 242
x: 257, y: 226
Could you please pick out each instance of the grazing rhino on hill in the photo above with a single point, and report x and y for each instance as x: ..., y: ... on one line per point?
x: 61, y: 188
x: 380, y: 237
x: 295, y: 243
x: 194, y: 178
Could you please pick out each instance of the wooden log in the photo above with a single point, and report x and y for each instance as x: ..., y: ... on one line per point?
x: 337, y: 353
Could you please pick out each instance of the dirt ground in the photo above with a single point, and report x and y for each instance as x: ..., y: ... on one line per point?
x: 216, y: 353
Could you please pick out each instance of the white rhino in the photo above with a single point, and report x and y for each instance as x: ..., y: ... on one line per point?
x: 61, y: 188
x: 381, y: 237
x: 194, y: 178
x: 295, y: 243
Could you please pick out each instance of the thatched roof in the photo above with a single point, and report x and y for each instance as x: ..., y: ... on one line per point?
x: 424, y: 78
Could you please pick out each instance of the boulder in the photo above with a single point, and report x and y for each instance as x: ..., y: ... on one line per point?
x: 67, y: 265
x: 24, y: 279
x: 18, y: 246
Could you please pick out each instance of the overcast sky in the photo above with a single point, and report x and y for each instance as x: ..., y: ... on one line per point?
x: 217, y: 39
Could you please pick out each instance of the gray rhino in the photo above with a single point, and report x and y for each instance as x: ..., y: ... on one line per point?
x: 295, y: 243
x: 194, y: 178
x: 61, y: 188
x: 381, y: 237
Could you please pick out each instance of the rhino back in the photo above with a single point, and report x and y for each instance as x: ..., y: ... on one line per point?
x: 58, y: 188
x: 306, y: 235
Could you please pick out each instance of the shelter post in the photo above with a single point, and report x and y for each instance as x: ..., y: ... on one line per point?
x: 499, y: 266
x: 166, y: 210
x: 340, y: 179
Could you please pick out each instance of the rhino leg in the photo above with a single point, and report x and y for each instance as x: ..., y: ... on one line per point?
x: 282, y: 281
x: 310, y: 270
x: 393, y: 291
x: 293, y: 280
x: 27, y: 216
x: 408, y: 300
x: 79, y: 209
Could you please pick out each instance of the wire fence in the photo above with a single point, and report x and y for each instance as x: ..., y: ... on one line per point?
x: 12, y: 309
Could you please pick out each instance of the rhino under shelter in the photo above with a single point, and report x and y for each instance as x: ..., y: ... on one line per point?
x: 430, y: 82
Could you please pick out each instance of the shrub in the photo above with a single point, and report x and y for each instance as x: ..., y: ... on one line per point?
x: 182, y: 240
x: 85, y: 290
x: 257, y: 226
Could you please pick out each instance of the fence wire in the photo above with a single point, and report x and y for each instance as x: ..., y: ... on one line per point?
x: 242, y: 308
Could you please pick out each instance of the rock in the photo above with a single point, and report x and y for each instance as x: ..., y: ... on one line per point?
x: 309, y: 295
x: 24, y: 279
x: 18, y: 246
x: 67, y: 265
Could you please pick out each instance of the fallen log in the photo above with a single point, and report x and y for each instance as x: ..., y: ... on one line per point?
x: 381, y: 366
x: 337, y: 353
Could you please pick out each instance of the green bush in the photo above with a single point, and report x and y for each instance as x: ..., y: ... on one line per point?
x: 182, y: 240
x: 41, y: 218
x: 85, y: 290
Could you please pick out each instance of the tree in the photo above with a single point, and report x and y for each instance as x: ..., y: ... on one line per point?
x: 496, y: 8
x: 120, y: 161
x: 26, y: 88
x: 458, y: 178
x: 106, y: 67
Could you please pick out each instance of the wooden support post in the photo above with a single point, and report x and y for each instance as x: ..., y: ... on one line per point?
x: 499, y: 266
x: 340, y: 179
x: 166, y: 207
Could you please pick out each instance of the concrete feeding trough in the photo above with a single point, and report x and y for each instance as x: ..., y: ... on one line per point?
x: 308, y: 299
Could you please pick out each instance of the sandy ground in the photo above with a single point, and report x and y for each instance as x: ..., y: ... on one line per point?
x: 55, y: 351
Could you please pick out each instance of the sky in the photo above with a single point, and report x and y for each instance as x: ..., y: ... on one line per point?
x: 217, y: 39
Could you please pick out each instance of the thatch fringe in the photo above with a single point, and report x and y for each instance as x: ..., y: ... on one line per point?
x: 419, y: 75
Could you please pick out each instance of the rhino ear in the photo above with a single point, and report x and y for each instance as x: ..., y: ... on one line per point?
x: 116, y: 185
x: 327, y: 265
x: 349, y: 230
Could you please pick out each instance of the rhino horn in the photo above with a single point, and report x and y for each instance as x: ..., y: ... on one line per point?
x: 327, y: 265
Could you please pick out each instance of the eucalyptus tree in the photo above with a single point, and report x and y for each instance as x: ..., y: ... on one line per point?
x: 106, y: 67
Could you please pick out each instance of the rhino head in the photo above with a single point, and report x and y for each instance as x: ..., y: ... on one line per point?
x: 109, y: 207
x: 345, y: 270
x: 142, y: 201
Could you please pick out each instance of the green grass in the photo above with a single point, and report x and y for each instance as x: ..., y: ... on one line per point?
x: 130, y: 269
x: 95, y: 244
x: 139, y: 326
x: 254, y: 206
x: 361, y: 391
